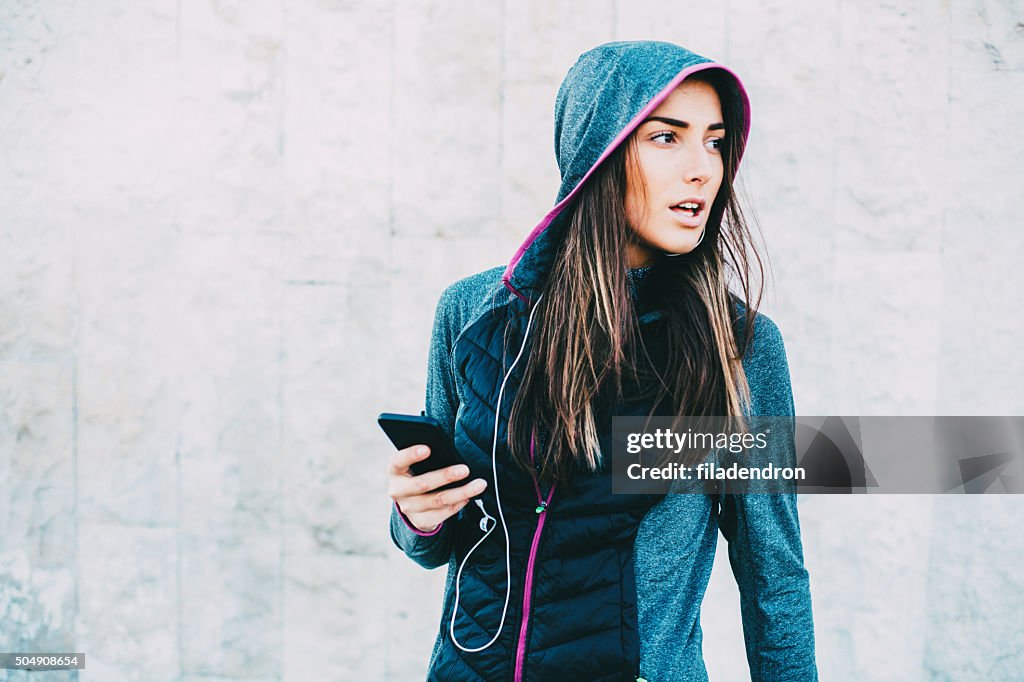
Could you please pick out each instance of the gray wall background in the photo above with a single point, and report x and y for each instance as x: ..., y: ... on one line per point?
x: 223, y: 229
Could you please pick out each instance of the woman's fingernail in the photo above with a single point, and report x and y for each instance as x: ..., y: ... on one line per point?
x: 421, y: 450
x: 479, y: 484
x: 461, y: 470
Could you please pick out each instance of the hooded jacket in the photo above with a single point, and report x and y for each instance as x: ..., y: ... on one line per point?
x: 603, y: 587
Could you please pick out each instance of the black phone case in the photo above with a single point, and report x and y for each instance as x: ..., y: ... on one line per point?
x: 405, y: 430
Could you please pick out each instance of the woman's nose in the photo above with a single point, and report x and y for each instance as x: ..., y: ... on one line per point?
x: 697, y: 165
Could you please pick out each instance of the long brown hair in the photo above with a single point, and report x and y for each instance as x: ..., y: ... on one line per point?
x: 586, y: 336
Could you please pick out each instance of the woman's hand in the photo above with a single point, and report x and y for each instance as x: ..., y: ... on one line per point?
x: 417, y: 496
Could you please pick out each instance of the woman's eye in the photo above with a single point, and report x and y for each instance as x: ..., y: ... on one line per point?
x: 716, y: 143
x: 666, y: 137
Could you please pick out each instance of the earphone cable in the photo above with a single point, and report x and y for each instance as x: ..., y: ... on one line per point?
x: 501, y: 514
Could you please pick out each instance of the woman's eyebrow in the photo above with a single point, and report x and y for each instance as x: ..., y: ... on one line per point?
x: 682, y: 124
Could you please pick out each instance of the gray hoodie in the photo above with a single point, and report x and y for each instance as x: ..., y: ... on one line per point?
x: 606, y: 95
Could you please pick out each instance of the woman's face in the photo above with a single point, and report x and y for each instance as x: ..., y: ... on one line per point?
x: 676, y: 159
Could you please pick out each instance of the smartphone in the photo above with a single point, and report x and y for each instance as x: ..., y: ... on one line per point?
x: 406, y: 429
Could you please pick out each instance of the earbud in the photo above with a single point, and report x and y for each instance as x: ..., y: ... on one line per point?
x: 487, y: 517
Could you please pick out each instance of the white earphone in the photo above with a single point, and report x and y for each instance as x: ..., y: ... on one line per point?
x: 699, y: 240
x: 487, y: 523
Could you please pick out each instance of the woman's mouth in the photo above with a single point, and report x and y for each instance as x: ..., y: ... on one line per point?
x: 689, y: 212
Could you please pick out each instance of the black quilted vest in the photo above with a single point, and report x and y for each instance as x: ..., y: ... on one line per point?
x: 572, y: 612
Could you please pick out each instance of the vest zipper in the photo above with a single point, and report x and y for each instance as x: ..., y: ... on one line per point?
x: 541, y: 511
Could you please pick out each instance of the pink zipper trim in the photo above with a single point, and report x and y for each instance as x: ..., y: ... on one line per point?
x: 528, y: 587
x: 524, y: 624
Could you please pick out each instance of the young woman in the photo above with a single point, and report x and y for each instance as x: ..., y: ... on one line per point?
x: 617, y: 303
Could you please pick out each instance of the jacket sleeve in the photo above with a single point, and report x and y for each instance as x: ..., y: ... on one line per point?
x: 431, y: 550
x: 763, y: 531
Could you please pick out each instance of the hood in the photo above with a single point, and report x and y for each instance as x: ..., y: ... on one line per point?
x: 605, y: 96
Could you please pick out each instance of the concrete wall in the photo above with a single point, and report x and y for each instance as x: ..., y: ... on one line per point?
x: 223, y: 229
